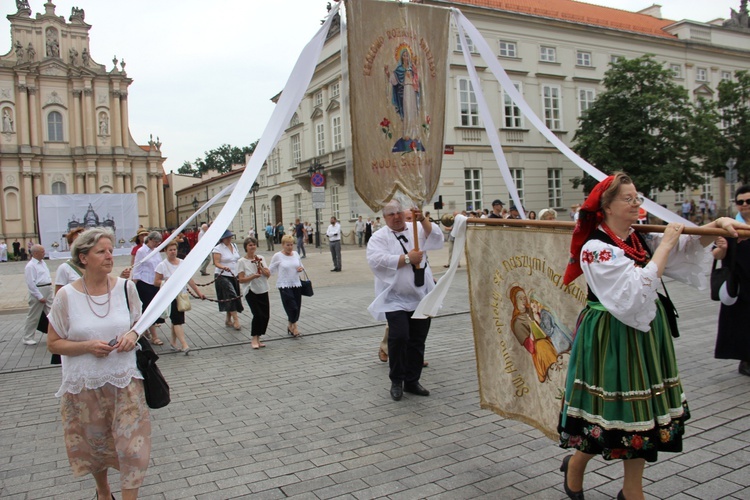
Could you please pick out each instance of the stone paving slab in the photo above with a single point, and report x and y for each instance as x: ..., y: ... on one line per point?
x: 312, y: 417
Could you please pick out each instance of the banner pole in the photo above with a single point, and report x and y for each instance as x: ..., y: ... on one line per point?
x: 416, y: 233
x: 641, y: 228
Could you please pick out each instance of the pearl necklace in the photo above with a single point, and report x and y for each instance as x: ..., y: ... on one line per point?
x: 90, y: 299
x: 635, y: 252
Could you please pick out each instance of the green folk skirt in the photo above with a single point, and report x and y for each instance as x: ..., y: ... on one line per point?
x: 623, y: 397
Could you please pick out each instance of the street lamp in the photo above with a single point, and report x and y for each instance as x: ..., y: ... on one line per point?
x: 254, y: 190
x: 314, y: 168
x: 195, y: 209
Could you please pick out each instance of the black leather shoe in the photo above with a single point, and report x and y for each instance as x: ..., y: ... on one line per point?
x: 574, y: 495
x: 397, y: 391
x: 744, y: 368
x: 416, y: 388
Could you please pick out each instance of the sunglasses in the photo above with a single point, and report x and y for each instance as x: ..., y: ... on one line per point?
x: 742, y: 202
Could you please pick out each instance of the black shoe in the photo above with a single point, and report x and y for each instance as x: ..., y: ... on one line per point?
x: 621, y: 496
x: 744, y: 368
x: 575, y: 495
x: 416, y: 388
x: 334, y: 270
x: 397, y: 391
x: 204, y: 274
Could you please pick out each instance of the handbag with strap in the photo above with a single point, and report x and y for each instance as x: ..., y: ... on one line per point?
x: 307, y: 288
x: 155, y: 386
x: 183, y: 302
x: 719, y: 276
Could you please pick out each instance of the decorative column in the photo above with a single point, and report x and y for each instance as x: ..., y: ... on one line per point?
x: 124, y: 130
x: 80, y: 183
x: 89, y: 120
x: 33, y: 117
x: 28, y: 204
x: 22, y: 124
x: 119, y: 176
x: 37, y: 184
x: 116, y: 121
x: 160, y: 197
x: 153, y: 200
x: 128, y: 177
x: 76, y: 135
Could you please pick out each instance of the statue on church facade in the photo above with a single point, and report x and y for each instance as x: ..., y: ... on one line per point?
x: 19, y: 52
x: 30, y: 53
x: 7, y: 121
x: 85, y: 58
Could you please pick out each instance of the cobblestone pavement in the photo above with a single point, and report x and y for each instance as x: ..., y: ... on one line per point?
x: 312, y: 418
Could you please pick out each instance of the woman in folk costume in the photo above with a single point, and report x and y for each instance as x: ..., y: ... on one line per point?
x: 623, y: 396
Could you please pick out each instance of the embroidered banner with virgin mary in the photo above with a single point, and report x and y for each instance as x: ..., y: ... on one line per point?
x: 397, y: 79
x: 524, y: 318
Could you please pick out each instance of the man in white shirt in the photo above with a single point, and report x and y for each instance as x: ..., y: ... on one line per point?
x: 207, y: 260
x: 359, y: 228
x: 393, y: 260
x: 39, y: 283
x: 3, y: 251
x: 334, y: 243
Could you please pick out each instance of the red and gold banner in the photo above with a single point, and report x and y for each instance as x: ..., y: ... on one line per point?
x: 523, y: 318
x: 397, y: 78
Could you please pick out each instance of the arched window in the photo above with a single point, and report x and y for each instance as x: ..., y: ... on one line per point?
x: 55, y: 127
x: 59, y: 188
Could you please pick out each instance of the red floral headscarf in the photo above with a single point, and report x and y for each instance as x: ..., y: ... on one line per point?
x: 589, y: 218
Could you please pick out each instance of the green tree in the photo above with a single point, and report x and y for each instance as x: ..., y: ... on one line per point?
x: 734, y: 109
x: 187, y: 169
x: 220, y: 159
x: 641, y: 124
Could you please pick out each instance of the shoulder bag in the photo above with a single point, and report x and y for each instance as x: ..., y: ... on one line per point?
x: 307, y: 288
x: 154, y: 384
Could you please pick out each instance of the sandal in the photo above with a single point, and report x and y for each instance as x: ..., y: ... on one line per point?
x: 157, y: 342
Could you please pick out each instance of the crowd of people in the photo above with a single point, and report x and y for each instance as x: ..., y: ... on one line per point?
x: 622, y: 400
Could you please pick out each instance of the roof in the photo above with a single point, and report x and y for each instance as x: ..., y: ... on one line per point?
x: 583, y: 13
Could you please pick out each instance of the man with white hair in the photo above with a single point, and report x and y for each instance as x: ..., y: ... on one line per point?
x: 393, y: 259
x: 39, y: 283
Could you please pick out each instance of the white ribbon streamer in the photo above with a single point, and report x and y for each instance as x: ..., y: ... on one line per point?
x: 291, y: 96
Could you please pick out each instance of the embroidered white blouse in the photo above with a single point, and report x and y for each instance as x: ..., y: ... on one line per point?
x: 627, y: 291
x: 143, y: 270
x: 250, y: 268
x: 285, y: 266
x: 72, y: 318
x: 394, y: 286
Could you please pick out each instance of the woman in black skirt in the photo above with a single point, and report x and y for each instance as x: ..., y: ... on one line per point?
x: 225, y: 256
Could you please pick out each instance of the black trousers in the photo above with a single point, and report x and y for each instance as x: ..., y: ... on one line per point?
x: 261, y: 310
x: 406, y: 339
x: 291, y: 299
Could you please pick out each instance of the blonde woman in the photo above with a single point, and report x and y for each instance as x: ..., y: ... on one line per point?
x: 287, y: 266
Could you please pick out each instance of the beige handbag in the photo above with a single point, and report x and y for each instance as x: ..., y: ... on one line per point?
x: 183, y: 302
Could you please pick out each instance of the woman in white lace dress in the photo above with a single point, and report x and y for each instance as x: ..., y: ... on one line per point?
x: 104, y: 413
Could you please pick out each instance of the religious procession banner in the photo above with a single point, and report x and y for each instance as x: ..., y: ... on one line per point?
x: 397, y: 57
x: 524, y: 320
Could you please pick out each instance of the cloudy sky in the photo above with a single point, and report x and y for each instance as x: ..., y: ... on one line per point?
x: 204, y: 72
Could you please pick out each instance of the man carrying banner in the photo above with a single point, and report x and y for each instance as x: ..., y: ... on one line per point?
x: 39, y: 283
x: 395, y: 262
x: 334, y: 243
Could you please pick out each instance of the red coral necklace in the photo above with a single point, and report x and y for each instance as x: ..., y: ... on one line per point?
x: 634, y: 251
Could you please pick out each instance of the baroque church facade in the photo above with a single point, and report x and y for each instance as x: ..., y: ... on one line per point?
x: 64, y: 124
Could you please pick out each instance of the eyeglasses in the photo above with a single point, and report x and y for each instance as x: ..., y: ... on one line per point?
x: 633, y: 201
x: 742, y: 202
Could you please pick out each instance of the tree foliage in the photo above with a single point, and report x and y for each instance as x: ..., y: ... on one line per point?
x: 643, y: 124
x: 734, y: 109
x: 220, y: 159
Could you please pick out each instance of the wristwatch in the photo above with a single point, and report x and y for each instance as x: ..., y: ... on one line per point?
x: 406, y: 259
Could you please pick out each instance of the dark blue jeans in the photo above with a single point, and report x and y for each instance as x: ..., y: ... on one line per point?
x: 406, y: 339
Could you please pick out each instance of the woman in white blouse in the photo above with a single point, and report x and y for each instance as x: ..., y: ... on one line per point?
x: 623, y: 397
x: 226, y: 256
x: 104, y: 413
x: 164, y: 271
x: 287, y: 266
x: 253, y: 277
